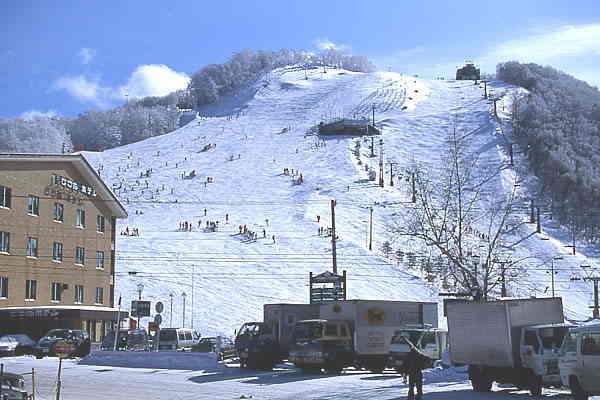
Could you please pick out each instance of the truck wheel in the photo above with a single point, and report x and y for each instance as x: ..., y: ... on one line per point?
x: 309, y: 369
x: 375, y: 367
x: 479, y: 379
x: 535, y: 385
x: 333, y: 368
x: 576, y: 390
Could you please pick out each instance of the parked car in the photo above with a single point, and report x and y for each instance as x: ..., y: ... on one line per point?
x: 108, y: 341
x: 25, y: 344
x: 79, y: 338
x: 209, y: 344
x: 178, y: 339
x: 8, y: 346
x: 132, y: 339
x: 579, y: 361
x: 137, y: 339
x: 13, y: 387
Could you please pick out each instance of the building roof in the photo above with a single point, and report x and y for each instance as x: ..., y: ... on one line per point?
x: 83, y: 167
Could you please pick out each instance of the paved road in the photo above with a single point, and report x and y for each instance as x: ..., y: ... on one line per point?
x: 228, y: 381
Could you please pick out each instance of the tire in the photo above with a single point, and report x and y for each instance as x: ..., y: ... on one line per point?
x: 576, y: 390
x: 535, y: 385
x: 309, y: 369
x: 479, y: 379
x: 333, y: 367
x: 375, y: 367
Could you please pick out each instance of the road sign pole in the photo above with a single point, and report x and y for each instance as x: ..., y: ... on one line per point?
x: 58, y: 382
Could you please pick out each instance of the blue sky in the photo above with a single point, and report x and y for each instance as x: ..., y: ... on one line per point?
x: 66, y: 57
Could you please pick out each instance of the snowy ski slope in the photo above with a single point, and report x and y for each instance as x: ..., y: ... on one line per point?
x: 226, y: 276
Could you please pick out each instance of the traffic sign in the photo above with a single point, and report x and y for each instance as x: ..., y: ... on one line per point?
x: 159, y: 307
x: 140, y: 308
x: 158, y: 319
x: 63, y: 349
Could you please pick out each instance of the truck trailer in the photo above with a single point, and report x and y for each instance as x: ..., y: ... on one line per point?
x: 512, y: 341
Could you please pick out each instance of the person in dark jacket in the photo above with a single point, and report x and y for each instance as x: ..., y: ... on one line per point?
x: 415, y: 363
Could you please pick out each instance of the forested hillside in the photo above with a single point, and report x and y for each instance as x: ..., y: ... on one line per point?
x: 557, y: 123
x: 38, y: 134
x: 154, y: 116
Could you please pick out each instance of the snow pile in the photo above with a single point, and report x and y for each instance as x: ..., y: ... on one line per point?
x: 154, y: 359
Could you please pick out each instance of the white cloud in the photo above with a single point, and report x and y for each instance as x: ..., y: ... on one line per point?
x: 566, y: 41
x: 146, y: 80
x: 326, y: 44
x: 33, y: 114
x: 83, y: 89
x: 153, y: 80
x: 86, y: 55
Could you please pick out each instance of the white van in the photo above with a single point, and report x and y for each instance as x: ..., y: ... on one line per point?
x: 177, y: 339
x: 579, y: 361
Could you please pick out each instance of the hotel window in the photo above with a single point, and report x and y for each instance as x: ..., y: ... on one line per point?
x: 59, y: 212
x: 100, y: 259
x: 5, y: 197
x: 30, y: 289
x: 79, y: 255
x: 100, y: 223
x: 4, y: 242
x: 80, y: 220
x: 79, y: 294
x: 32, y: 247
x: 57, y: 252
x: 3, y: 287
x: 99, y: 295
x: 56, y: 291
x: 33, y: 205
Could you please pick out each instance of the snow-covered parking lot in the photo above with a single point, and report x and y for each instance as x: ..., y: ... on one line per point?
x: 225, y: 380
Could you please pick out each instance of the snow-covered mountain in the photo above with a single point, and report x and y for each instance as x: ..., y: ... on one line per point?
x: 243, y: 153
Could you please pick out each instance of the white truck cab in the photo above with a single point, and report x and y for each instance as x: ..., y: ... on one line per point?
x: 432, y: 342
x: 579, y: 361
x: 540, y: 345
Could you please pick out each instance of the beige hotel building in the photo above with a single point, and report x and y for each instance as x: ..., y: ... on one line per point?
x: 57, y: 245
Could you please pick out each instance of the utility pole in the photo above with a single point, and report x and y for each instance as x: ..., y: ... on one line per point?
x: 538, y: 228
x: 171, y: 323
x: 371, y: 229
x: 333, y: 251
x: 391, y: 163
x: 373, y: 115
x: 372, y: 147
x: 140, y: 288
x: 532, y: 214
x: 503, y: 272
x: 485, y: 95
x: 380, y: 162
x: 495, y: 110
x: 595, y: 279
x: 552, y: 272
x: 414, y: 189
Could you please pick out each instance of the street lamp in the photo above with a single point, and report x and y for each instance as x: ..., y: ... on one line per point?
x: 140, y: 289
x: 552, y: 271
x: 183, y: 295
x: 171, y: 324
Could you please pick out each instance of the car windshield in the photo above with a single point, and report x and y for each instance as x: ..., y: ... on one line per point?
x: 308, y: 330
x: 59, y: 334
x: 6, y: 339
x: 413, y: 335
x: 552, y: 338
x: 168, y: 334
